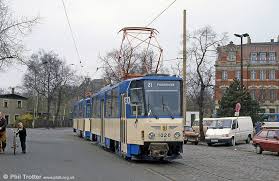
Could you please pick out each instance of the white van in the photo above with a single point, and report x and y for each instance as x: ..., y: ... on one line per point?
x: 206, y: 122
x: 229, y: 130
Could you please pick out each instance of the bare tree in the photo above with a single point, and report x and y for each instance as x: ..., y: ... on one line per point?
x: 202, y: 55
x: 48, y: 75
x: 11, y: 32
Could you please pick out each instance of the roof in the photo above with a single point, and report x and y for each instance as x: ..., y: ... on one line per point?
x: 275, y: 43
x: 13, y: 96
x: 261, y: 43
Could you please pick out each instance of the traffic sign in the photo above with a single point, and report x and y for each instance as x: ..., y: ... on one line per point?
x: 237, y: 107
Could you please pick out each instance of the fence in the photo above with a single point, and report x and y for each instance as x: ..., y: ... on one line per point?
x: 42, y: 123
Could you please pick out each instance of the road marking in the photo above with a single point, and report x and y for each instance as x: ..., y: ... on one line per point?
x: 159, y: 174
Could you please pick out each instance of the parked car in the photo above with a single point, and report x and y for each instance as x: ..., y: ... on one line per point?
x: 229, y: 130
x: 267, y: 140
x: 190, y: 135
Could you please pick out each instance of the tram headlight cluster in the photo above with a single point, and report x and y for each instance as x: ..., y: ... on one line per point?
x: 177, y: 134
x: 151, y: 135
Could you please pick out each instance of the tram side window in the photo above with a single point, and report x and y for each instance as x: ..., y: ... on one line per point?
x: 108, y: 105
x: 93, y: 107
x: 137, y: 104
x: 80, y: 110
x: 115, y: 102
x: 88, y: 109
x: 96, y: 108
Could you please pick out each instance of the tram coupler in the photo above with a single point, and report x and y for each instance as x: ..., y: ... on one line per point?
x: 158, y: 150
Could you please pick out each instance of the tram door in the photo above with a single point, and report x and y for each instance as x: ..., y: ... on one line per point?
x: 102, y: 121
x: 123, y: 124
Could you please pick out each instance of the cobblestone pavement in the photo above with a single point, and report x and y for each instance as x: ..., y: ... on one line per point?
x: 57, y: 152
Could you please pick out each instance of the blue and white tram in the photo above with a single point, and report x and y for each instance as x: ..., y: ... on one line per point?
x: 138, y: 118
x: 82, y: 117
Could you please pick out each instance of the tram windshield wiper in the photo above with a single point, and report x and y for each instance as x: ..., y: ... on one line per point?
x: 167, y: 108
x: 151, y: 110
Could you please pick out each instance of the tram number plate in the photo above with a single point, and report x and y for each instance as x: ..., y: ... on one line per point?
x: 164, y: 135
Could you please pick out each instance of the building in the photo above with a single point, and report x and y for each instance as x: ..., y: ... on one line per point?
x: 191, y: 116
x: 13, y: 105
x: 260, y: 71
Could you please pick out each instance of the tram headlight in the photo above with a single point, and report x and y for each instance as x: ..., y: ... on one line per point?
x: 151, y: 135
x: 177, y: 134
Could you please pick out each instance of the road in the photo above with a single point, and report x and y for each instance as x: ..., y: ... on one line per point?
x: 57, y: 152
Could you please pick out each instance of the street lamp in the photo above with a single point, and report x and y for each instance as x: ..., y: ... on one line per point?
x: 241, y: 56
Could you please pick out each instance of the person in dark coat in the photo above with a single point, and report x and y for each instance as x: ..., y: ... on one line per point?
x: 258, y: 127
x: 3, y: 137
x: 22, y: 136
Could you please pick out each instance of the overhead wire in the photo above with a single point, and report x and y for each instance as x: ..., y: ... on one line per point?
x: 72, y: 34
x: 154, y: 19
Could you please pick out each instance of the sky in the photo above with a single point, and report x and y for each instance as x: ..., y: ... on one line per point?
x: 96, y: 23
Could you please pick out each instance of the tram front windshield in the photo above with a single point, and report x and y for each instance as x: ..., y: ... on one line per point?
x: 156, y: 98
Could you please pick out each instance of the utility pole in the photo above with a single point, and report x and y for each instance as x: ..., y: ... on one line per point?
x: 241, y: 56
x: 184, y: 68
x: 241, y: 62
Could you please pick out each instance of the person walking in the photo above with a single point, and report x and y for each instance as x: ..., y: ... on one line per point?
x: 258, y: 127
x: 22, y: 136
x: 3, y: 137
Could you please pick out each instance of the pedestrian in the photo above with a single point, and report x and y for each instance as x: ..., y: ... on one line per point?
x: 258, y: 127
x: 22, y: 136
x: 3, y: 137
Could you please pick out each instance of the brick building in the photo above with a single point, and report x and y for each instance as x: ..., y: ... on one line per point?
x: 260, y: 71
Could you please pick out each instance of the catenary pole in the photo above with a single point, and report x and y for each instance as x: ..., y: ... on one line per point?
x: 184, y: 68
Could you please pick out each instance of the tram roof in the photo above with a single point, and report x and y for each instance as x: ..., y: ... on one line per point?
x: 123, y: 85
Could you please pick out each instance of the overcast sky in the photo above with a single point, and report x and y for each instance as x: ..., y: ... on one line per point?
x: 95, y: 25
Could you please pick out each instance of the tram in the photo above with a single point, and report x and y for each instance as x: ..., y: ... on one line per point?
x: 139, y: 118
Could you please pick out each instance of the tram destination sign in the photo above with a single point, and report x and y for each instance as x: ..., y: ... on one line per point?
x: 161, y: 85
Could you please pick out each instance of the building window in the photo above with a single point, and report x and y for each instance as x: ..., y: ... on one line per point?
x: 224, y: 75
x: 253, y: 94
x: 254, y: 57
x: 271, y: 110
x: 237, y: 74
x: 5, y: 104
x: 272, y: 56
x: 231, y: 56
x: 19, y: 104
x: 7, y: 117
x: 253, y: 75
x: 262, y: 95
x: 262, y: 56
x: 262, y: 75
x: 16, y: 117
x: 272, y: 74
x: 273, y: 95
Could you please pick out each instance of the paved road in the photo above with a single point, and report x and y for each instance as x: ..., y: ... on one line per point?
x: 56, y: 152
